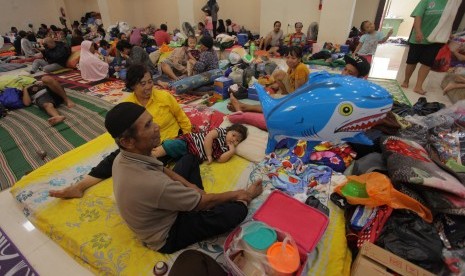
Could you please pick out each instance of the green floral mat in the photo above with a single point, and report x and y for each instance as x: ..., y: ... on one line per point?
x: 394, y: 88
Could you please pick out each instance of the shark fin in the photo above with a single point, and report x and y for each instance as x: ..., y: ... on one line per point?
x: 360, y: 138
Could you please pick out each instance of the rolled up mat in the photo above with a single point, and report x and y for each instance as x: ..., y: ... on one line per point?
x: 190, y: 83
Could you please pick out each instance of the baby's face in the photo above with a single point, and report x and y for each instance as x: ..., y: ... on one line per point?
x: 191, y: 43
x: 233, y: 137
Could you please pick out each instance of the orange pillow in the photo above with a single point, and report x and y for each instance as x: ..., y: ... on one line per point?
x: 73, y: 59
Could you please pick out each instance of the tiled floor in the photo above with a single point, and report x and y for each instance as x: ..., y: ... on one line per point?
x: 49, y: 259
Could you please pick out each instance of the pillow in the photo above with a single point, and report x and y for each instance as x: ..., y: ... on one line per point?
x: 252, y: 148
x: 203, y: 118
x: 250, y: 118
x: 73, y: 59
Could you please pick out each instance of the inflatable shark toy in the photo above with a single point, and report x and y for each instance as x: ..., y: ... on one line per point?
x: 327, y: 108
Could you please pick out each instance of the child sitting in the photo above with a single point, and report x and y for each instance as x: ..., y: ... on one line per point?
x: 192, y: 53
x: 369, y: 41
x: 219, y: 144
x: 104, y: 48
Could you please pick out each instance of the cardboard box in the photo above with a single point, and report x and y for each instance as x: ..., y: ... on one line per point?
x: 374, y: 260
x: 222, y: 85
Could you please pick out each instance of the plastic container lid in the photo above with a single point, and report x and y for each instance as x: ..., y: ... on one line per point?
x: 284, y: 259
x: 355, y: 189
x: 259, y: 237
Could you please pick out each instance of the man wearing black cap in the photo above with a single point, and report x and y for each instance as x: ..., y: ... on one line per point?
x: 356, y: 66
x: 208, y: 59
x: 167, y: 209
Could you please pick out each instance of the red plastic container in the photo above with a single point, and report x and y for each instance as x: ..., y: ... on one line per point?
x: 305, y: 224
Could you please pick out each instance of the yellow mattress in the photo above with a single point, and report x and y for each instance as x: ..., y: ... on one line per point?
x: 91, y: 230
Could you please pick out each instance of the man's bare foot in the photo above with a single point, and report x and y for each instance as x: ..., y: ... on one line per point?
x: 236, y: 104
x: 450, y: 86
x: 70, y: 192
x: 404, y: 84
x: 70, y: 103
x: 419, y: 91
x: 56, y: 120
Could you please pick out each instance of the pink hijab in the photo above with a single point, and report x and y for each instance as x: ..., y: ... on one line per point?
x: 92, y: 68
x: 136, y: 37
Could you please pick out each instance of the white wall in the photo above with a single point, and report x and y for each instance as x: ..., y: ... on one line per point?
x: 364, y: 10
x: 76, y: 9
x: 20, y: 13
x: 336, y: 21
x: 403, y: 9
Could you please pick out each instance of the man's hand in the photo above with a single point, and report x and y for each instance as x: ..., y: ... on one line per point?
x: 209, y: 159
x: 252, y: 192
x: 419, y: 37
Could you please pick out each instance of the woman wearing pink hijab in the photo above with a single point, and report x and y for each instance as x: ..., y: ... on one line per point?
x: 92, y: 68
x: 136, y: 37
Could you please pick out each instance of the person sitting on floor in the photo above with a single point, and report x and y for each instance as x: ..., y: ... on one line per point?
x: 208, y: 59
x: 297, y: 73
x: 219, y: 144
x: 175, y: 65
x: 47, y: 94
x: 133, y: 55
x: 27, y: 48
x: 77, y: 38
x: 166, y: 113
x: 273, y: 41
x: 459, y: 79
x: 298, y: 38
x: 168, y: 210
x: 162, y: 36
x: 355, y: 66
x: 55, y: 57
x: 92, y: 68
x: 202, y: 31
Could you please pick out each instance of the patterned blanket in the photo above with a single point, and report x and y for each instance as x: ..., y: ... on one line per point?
x: 28, y: 141
x: 92, y: 231
x: 5, y: 67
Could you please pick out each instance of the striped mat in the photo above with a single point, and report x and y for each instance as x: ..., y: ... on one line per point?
x: 28, y: 141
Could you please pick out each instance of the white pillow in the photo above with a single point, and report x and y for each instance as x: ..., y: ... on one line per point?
x: 253, y: 148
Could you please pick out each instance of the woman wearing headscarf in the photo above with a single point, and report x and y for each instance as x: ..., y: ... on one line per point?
x: 213, y: 7
x: 92, y: 68
x: 136, y: 37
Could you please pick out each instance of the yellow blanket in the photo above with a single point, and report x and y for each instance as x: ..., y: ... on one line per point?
x: 91, y: 230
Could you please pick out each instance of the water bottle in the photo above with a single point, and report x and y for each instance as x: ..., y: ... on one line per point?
x: 252, y: 49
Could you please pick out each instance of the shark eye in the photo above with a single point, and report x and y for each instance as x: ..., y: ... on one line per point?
x: 346, y: 109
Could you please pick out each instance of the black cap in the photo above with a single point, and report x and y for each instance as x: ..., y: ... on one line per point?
x: 121, y: 117
x: 362, y: 65
x: 207, y: 41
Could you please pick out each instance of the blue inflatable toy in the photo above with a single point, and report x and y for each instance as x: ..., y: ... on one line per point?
x: 327, y: 108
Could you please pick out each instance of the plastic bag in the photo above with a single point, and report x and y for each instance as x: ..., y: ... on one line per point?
x: 375, y: 189
x: 258, y: 249
x: 409, y: 237
x: 443, y: 58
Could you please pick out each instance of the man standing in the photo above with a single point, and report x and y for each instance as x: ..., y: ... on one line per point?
x: 56, y: 54
x: 167, y: 209
x: 429, y: 34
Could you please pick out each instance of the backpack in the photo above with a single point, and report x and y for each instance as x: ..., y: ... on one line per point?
x: 10, y: 98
